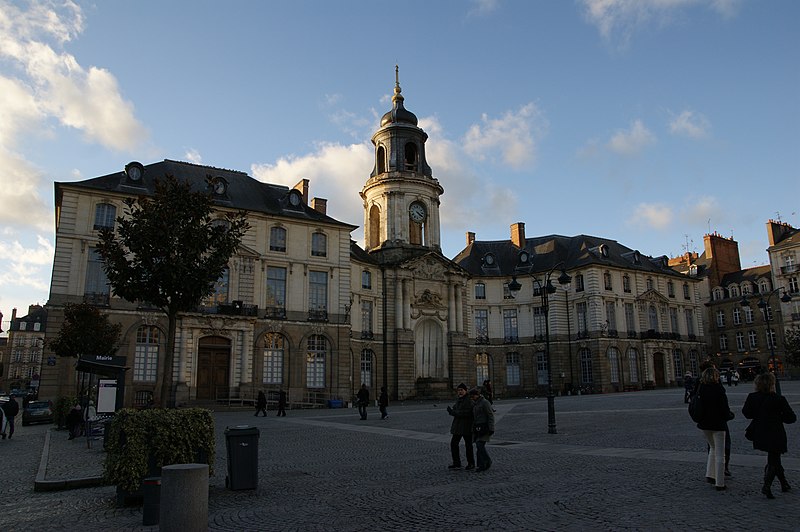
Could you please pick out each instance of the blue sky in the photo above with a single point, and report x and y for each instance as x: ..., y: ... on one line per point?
x: 651, y: 122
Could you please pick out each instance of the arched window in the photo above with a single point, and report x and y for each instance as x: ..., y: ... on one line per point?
x: 145, y: 358
x: 482, y: 367
x: 220, y: 294
x: 315, y: 361
x: 367, y: 357
x: 319, y: 245
x: 411, y: 156
x: 374, y: 227
x: 607, y: 281
x: 274, y: 351
x: 381, y: 159
x: 277, y: 239
x: 512, y: 369
x: 626, y: 283
x: 104, y: 216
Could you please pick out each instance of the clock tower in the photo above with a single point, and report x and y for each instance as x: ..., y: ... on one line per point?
x: 401, y: 196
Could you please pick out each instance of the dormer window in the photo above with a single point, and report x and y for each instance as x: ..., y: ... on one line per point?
x: 295, y: 198
x: 488, y: 260
x: 134, y: 171
x: 524, y: 258
x: 637, y: 257
x: 604, y: 250
x: 218, y: 185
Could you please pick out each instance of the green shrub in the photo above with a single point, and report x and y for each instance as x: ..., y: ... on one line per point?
x: 61, y: 408
x: 142, y: 440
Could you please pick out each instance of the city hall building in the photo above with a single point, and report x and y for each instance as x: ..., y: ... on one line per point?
x: 304, y: 308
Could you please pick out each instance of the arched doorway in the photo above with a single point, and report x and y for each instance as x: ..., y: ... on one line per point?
x: 431, y: 357
x: 658, y: 369
x: 213, y: 367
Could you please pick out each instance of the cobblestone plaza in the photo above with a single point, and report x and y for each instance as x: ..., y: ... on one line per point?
x: 631, y: 461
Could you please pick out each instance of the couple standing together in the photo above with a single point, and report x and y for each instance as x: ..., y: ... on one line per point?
x: 473, y: 420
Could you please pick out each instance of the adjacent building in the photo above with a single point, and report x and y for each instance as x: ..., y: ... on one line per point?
x: 25, y: 347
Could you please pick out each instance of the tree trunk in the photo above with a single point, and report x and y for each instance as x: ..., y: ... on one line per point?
x: 167, y: 399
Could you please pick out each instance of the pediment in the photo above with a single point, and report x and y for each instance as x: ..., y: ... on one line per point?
x: 432, y: 267
x: 244, y: 251
x: 652, y: 296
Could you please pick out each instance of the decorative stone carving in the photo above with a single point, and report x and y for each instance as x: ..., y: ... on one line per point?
x: 427, y: 268
x: 428, y: 299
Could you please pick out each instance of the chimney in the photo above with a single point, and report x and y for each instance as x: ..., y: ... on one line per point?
x: 320, y: 205
x: 723, y: 254
x: 777, y: 231
x: 302, y: 186
x: 470, y: 237
x: 518, y: 234
x: 13, y: 314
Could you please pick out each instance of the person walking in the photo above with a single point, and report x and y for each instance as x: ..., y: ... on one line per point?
x: 363, y: 401
x: 769, y: 411
x: 261, y: 403
x: 714, y: 417
x: 688, y: 386
x: 482, y: 427
x: 383, y: 402
x: 487, y: 392
x: 75, y: 422
x: 461, y: 427
x: 282, y: 402
x: 10, y: 410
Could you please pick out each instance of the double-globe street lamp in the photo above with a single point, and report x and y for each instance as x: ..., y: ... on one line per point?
x: 763, y: 304
x: 545, y: 289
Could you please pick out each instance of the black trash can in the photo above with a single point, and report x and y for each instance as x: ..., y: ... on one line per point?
x: 241, y: 442
x: 151, y: 510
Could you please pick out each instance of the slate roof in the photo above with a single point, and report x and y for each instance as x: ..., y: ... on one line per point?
x: 751, y: 275
x: 790, y: 240
x: 545, y: 252
x: 359, y: 254
x: 243, y: 191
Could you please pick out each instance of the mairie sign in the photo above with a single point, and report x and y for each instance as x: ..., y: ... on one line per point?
x: 108, y: 360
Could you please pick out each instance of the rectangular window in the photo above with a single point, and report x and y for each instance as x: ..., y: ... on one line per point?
x: 273, y: 366
x: 319, y: 245
x: 689, y: 322
x: 583, y: 320
x: 277, y: 239
x: 740, y: 341
x: 670, y: 289
x: 720, y: 318
x: 96, y: 279
x: 579, y: 283
x: 539, y: 325
x: 723, y: 342
x: 315, y: 361
x: 512, y: 369
x: 220, y: 294
x: 482, y: 324
x: 630, y: 323
x: 480, y: 291
x: 748, y: 315
x: 613, y: 363
x: 737, y: 316
x: 753, y: 338
x: 366, y: 317
x: 673, y: 320
x: 366, y: 367
x: 626, y: 284
x: 611, y: 316
x: 510, y: 330
x: 771, y: 339
x: 317, y: 291
x: 276, y: 287
x: 145, y: 358
x: 366, y: 280
x: 686, y: 291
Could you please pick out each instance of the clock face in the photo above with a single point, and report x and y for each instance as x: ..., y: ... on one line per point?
x: 523, y: 257
x: 294, y: 198
x: 134, y: 171
x: 417, y: 212
x: 219, y: 186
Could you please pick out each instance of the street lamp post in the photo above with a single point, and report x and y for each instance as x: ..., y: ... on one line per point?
x: 763, y: 304
x: 545, y: 289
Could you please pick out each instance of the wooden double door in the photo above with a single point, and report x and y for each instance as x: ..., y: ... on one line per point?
x: 213, y: 367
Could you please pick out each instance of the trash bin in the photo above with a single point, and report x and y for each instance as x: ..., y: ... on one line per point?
x: 151, y: 509
x: 241, y: 442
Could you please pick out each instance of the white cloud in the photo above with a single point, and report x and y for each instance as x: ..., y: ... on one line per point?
x: 632, y: 141
x: 690, y: 124
x: 700, y: 210
x: 25, y: 267
x: 619, y: 19
x: 42, y: 84
x: 651, y: 215
x: 193, y: 156
x: 482, y: 7
x: 515, y: 135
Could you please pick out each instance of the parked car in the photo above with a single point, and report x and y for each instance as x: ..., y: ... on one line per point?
x: 37, y: 412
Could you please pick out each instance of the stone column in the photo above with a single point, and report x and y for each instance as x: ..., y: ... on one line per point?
x: 399, y: 298
x: 184, y: 498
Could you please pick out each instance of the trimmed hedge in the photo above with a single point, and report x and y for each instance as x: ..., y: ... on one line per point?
x: 141, y: 442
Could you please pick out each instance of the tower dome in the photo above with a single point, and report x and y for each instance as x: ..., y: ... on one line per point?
x: 398, y: 114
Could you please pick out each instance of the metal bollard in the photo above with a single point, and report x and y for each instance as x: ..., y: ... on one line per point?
x: 151, y: 489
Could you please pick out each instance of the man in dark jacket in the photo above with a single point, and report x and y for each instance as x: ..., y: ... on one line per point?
x: 363, y: 400
x: 461, y: 427
x: 10, y: 409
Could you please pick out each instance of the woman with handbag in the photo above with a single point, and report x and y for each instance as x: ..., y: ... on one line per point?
x: 482, y: 427
x: 769, y: 411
